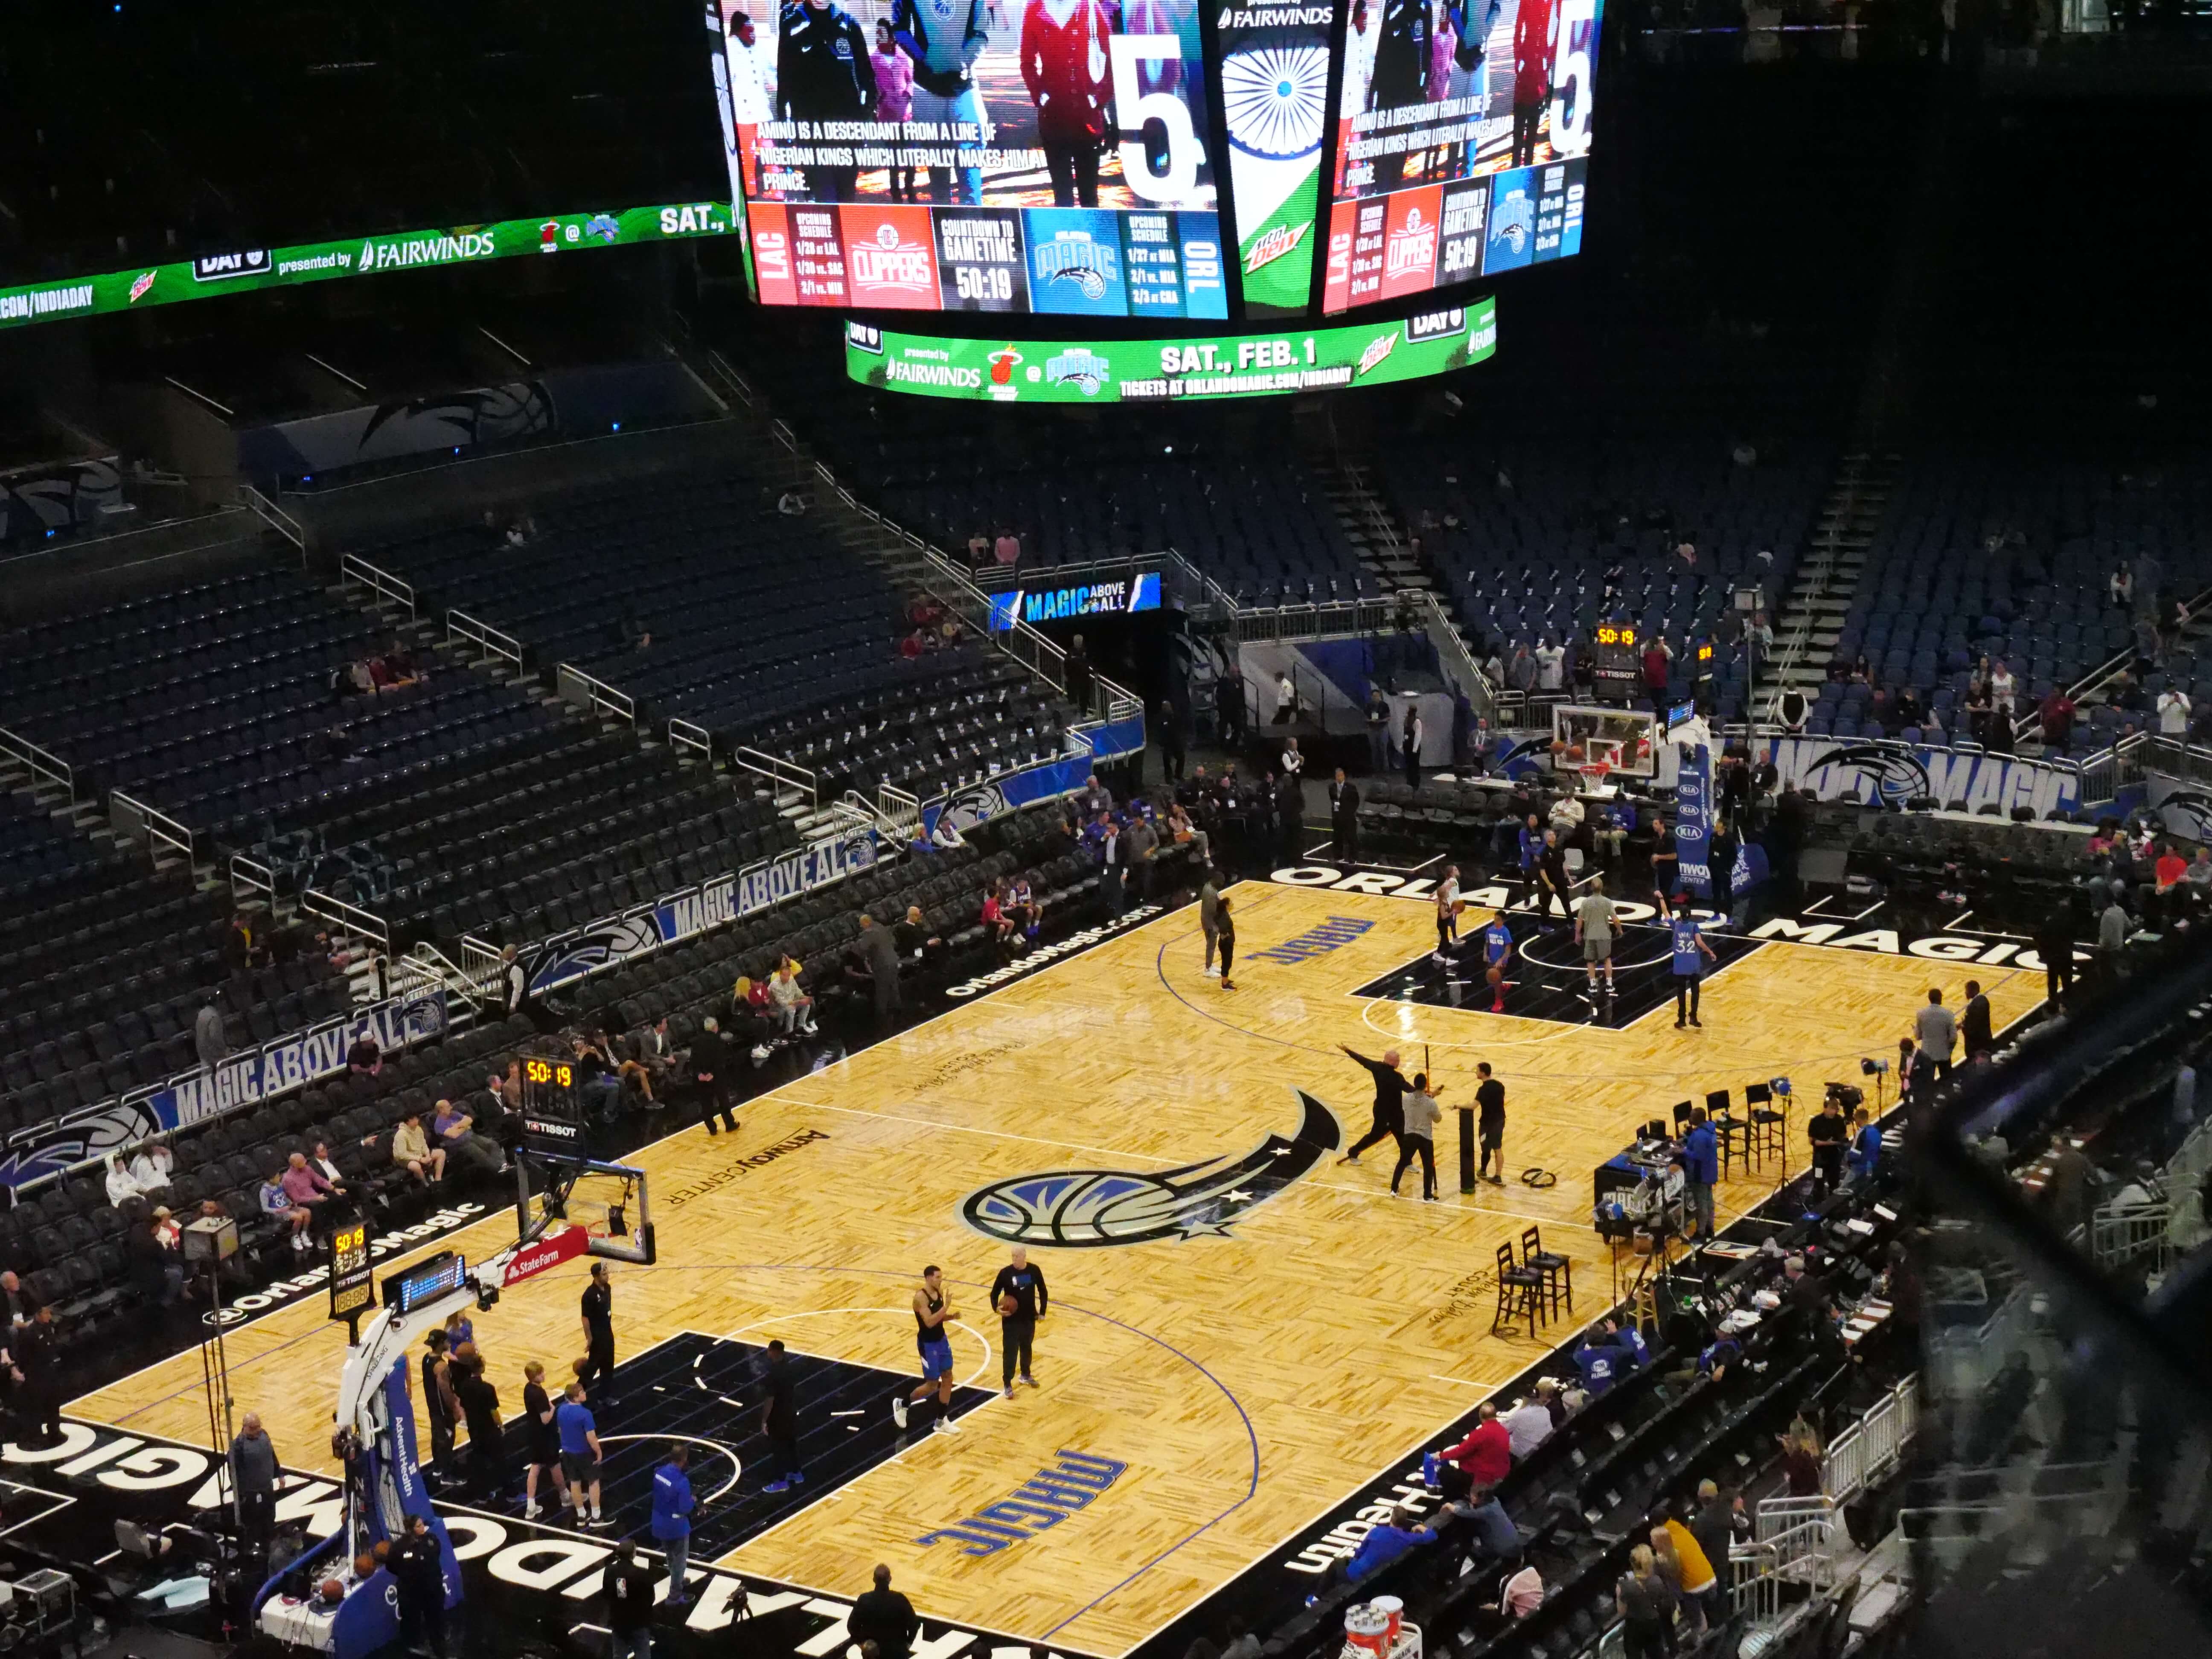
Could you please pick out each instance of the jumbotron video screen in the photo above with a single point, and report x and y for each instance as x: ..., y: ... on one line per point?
x: 1150, y: 159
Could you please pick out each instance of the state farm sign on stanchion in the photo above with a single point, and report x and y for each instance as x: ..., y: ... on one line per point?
x: 540, y: 1254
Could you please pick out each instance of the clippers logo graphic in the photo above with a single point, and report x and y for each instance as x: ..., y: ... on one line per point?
x: 1412, y: 246
x: 1086, y: 1208
x: 1377, y: 348
x: 1079, y: 367
x: 603, y: 226
x: 1274, y: 244
x: 891, y: 262
x: 1072, y: 257
x: 1513, y: 220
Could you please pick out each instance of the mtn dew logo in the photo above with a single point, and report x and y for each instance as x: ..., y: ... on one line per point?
x: 1377, y: 348
x: 409, y: 252
x: 1273, y: 243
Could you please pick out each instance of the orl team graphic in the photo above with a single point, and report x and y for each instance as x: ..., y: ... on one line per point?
x: 1084, y: 1208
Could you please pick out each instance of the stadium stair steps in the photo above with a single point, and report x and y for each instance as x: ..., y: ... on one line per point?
x: 1383, y: 552
x: 1810, y: 619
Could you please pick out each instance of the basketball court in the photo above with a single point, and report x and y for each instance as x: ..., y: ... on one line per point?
x: 1244, y: 1332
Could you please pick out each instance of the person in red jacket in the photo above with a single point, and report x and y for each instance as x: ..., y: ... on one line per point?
x: 1064, y: 65
x: 1532, y: 75
x: 1481, y: 1460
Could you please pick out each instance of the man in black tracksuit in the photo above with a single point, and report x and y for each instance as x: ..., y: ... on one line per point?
x: 822, y: 74
x: 1023, y: 1280
x: 1390, y: 1087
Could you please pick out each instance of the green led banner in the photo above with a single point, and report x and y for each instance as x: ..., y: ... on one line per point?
x: 1149, y: 371
x: 214, y: 274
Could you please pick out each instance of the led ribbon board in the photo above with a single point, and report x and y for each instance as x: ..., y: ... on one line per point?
x: 1154, y: 371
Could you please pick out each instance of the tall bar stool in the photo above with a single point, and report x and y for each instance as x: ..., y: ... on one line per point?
x: 1519, y: 1293
x: 1731, y: 1134
x: 1770, y: 1129
x: 1559, y: 1272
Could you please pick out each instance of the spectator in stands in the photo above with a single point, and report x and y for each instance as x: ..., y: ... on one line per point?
x: 455, y: 1131
x: 1480, y: 1461
x: 325, y: 1165
x: 979, y: 550
x: 1695, y: 1574
x: 946, y: 835
x: 412, y: 1151
x: 793, y: 1004
x: 305, y: 1185
x: 652, y: 1057
x: 2173, y: 713
x: 366, y: 1057
x: 1550, y: 666
x: 1646, y: 1608
x: 154, y: 1269
x: 121, y: 1189
x: 276, y: 1205
x: 2122, y: 587
x: 1529, y: 1424
x: 1077, y: 666
x: 884, y: 1617
x: 1522, y: 1593
x: 1520, y: 672
x: 1598, y: 1357
x: 241, y: 950
x: 2055, y: 713
x: 2113, y: 927
x: 209, y: 1042
x: 1803, y: 1468
x: 1007, y: 549
x: 1229, y: 711
x: 596, y: 1081
x: 1389, y: 1540
x: 1377, y: 716
x: 1658, y: 663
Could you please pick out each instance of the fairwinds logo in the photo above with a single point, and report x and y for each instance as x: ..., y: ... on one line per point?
x: 1081, y: 1208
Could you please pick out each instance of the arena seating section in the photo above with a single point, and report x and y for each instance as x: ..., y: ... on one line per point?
x: 758, y: 632
x: 2011, y: 559
x: 66, y: 1238
x: 1525, y: 534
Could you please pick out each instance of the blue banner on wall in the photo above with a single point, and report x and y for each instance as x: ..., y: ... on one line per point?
x: 710, y: 904
x: 244, y: 1079
x: 1876, y: 772
x: 1011, y: 791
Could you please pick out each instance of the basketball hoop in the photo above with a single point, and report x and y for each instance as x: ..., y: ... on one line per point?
x: 1593, y: 774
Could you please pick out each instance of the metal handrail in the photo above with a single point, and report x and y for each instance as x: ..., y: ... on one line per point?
x: 1869, y: 1448
x: 353, y: 568
x: 718, y: 367
x: 486, y: 638
x: 156, y: 825
x: 274, y: 516
x: 786, y: 774
x: 42, y: 763
x: 331, y: 907
x: 252, y: 876
x: 1451, y: 646
x: 2109, y: 670
x: 691, y: 735
x: 576, y: 686
x: 896, y: 808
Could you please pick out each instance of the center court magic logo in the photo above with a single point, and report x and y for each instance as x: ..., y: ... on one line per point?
x: 1081, y: 1208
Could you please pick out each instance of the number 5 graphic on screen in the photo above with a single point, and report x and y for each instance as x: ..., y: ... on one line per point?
x: 1570, y: 76
x: 1137, y: 109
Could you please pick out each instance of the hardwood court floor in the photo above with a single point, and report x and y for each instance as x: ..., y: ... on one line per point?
x: 1247, y: 1380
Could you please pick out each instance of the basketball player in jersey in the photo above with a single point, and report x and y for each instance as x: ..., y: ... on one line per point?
x: 1447, y: 912
x: 933, y: 1311
x: 1496, y: 952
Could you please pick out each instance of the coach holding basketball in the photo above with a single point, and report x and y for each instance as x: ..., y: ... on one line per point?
x: 1019, y: 1295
